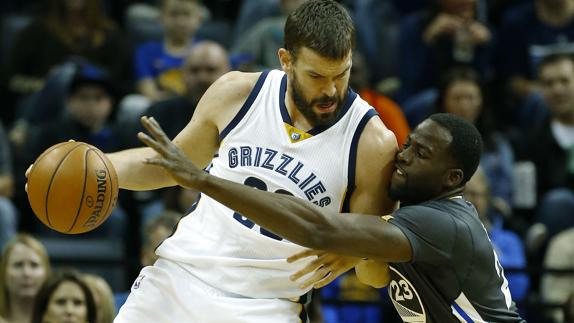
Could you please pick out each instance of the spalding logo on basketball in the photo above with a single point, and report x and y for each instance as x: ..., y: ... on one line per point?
x: 72, y: 187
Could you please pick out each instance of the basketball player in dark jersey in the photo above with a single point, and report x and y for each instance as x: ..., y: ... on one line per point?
x: 443, y: 266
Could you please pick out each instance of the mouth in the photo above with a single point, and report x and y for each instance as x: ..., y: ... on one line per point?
x: 400, y: 171
x: 326, y: 107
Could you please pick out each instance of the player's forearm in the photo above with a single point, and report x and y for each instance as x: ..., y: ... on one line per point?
x: 292, y: 218
x: 307, y: 224
x: 134, y: 174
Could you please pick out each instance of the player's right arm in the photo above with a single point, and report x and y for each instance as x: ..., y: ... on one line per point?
x: 199, y: 140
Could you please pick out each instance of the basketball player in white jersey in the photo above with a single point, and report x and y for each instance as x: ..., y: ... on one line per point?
x: 300, y: 131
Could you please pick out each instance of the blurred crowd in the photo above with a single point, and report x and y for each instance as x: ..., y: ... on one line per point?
x: 88, y: 69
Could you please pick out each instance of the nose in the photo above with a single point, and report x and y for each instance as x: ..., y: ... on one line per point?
x: 69, y: 308
x: 401, y: 157
x: 329, y: 89
x: 27, y: 270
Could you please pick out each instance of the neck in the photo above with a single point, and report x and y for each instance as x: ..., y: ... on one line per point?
x: 21, y: 309
x: 176, y: 46
x: 449, y: 194
x: 555, y: 15
x: 298, y: 119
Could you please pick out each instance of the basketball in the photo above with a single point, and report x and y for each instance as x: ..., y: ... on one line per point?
x: 72, y: 187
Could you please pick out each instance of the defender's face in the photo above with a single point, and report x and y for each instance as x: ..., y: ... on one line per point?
x: 318, y: 86
x: 422, y: 164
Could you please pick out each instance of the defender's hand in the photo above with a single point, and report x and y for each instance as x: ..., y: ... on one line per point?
x: 171, y: 158
x: 327, y: 267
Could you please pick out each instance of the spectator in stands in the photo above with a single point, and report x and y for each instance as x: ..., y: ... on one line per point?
x: 65, y: 297
x: 8, y: 213
x: 158, y: 63
x: 389, y: 112
x: 447, y: 33
x: 551, y: 146
x: 253, y: 11
x: 24, y: 267
x: 260, y: 43
x: 461, y: 93
x: 557, y: 288
x: 528, y: 33
x: 155, y: 230
x: 204, y: 64
x: 103, y: 298
x: 67, y: 28
x: 87, y: 118
x: 508, y: 245
x: 377, y: 23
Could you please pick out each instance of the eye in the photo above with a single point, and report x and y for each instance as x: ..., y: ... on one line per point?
x: 18, y: 264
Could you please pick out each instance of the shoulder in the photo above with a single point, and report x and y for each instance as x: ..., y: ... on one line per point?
x: 234, y: 85
x: 378, y: 139
x: 226, y: 96
x: 434, y: 212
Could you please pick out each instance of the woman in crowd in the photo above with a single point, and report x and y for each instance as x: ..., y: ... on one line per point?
x: 23, y: 269
x: 65, y: 298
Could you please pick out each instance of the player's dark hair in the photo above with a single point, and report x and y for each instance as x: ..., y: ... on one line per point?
x: 321, y: 25
x: 466, y: 144
x: 553, y: 59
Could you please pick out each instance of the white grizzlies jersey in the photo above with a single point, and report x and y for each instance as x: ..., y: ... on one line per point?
x: 262, y: 149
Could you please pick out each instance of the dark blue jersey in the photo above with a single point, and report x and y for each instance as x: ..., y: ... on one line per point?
x: 455, y: 275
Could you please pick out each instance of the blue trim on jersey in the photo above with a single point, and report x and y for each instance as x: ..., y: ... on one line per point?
x: 282, y: 106
x: 353, y: 158
x: 350, y: 98
x: 305, y: 300
x: 462, y: 313
x: 250, y: 99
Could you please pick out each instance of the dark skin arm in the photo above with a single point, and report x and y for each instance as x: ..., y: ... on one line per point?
x: 297, y: 220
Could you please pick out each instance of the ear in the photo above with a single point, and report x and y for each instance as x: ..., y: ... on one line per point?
x: 285, y: 59
x: 453, y: 178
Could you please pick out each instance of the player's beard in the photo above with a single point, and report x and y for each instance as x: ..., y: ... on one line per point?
x: 306, y: 107
x: 398, y: 192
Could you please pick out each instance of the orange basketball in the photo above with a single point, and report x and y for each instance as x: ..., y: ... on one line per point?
x: 72, y: 187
